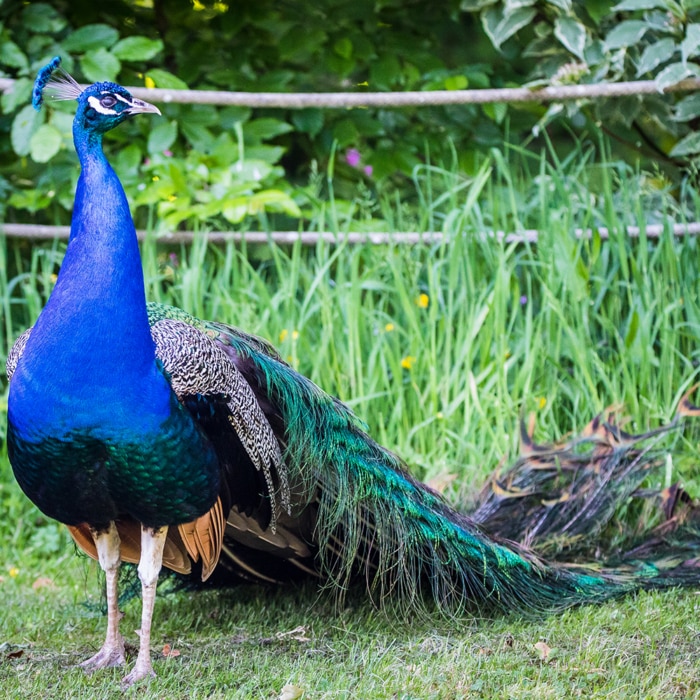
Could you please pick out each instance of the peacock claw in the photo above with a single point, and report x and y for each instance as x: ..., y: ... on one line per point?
x: 107, y: 657
x: 139, y: 672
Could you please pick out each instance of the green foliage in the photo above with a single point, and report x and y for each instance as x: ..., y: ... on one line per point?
x: 200, y: 165
x: 256, y: 163
x: 572, y: 41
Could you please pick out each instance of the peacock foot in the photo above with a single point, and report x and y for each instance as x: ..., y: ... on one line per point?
x: 140, y: 671
x: 110, y: 655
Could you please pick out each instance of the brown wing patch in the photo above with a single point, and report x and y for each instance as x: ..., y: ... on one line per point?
x: 200, y: 539
x: 204, y: 537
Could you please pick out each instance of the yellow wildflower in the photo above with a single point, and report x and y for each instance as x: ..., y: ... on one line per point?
x: 283, y: 335
x: 295, y: 335
x: 389, y: 327
x: 407, y: 362
x: 14, y: 571
x: 149, y: 82
x: 542, y: 402
x: 422, y: 301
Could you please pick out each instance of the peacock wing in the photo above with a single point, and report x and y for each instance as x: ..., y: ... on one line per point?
x: 261, y: 536
x: 217, y: 394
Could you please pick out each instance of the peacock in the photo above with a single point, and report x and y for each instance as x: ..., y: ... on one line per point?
x: 161, y: 439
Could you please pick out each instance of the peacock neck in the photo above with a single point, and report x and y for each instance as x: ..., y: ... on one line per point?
x: 95, y: 323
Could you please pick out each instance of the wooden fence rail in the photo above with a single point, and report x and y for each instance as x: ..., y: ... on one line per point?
x: 345, y: 100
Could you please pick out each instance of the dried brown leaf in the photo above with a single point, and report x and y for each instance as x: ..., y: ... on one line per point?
x: 169, y: 652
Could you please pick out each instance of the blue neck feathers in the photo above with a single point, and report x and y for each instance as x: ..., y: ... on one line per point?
x: 92, y: 341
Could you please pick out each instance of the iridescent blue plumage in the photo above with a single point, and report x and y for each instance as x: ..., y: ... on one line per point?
x: 158, y: 437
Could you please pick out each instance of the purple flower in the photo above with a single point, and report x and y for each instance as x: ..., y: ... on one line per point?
x: 352, y: 157
x: 523, y: 300
x: 368, y: 170
x: 174, y: 260
x: 168, y: 153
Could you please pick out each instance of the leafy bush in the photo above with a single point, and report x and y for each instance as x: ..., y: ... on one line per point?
x: 590, y: 42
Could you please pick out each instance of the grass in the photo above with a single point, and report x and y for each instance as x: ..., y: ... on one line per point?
x: 441, y: 350
x: 251, y: 642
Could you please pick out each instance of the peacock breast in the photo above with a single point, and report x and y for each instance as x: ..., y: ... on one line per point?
x: 114, y: 460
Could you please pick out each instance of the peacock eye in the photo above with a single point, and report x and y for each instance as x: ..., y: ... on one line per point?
x: 108, y: 101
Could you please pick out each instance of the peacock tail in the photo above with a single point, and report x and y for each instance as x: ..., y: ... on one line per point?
x: 374, y: 523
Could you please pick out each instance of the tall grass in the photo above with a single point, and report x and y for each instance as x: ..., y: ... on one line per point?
x: 443, y: 348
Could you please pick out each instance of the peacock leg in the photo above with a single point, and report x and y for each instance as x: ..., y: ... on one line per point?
x: 112, y: 651
x: 152, y: 543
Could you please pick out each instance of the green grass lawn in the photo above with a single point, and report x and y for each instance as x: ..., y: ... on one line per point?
x: 250, y: 642
x: 441, y: 350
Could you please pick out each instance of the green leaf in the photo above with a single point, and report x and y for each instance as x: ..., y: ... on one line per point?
x: 99, y: 64
x: 690, y: 145
x: 12, y: 55
x: 20, y: 94
x: 572, y: 34
x: 456, y: 82
x: 165, y: 80
x: 24, y: 125
x: 345, y: 132
x: 385, y: 71
x: 252, y: 170
x: 688, y: 108
x: 42, y: 18
x: 655, y: 54
x: 674, y: 73
x: 31, y: 200
x: 45, y: 143
x: 308, y: 121
x: 162, y: 136
x: 301, y: 43
x: 496, y: 111
x: 137, y: 48
x: 689, y: 45
x: 343, y: 47
x: 258, y: 130
x: 200, y: 137
x: 625, y: 34
x: 631, y: 5
x: 500, y: 25
x: 273, y: 200
x: 90, y: 37
x: 235, y: 210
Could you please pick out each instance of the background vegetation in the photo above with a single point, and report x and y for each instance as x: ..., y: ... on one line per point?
x: 222, y: 167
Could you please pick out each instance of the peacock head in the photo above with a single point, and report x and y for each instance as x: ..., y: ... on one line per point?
x: 101, y: 106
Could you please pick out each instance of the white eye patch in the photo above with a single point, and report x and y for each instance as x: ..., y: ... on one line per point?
x: 95, y: 104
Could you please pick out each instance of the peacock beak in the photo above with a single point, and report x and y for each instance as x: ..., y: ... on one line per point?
x: 141, y: 107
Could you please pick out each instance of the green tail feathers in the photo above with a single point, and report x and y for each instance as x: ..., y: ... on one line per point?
x: 375, y: 523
